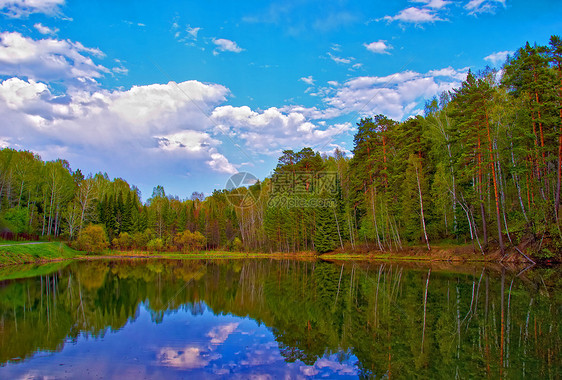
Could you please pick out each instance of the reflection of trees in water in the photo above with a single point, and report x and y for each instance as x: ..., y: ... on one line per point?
x: 394, y: 320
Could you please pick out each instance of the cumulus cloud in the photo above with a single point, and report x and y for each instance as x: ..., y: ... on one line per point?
x: 397, y: 95
x: 272, y: 130
x: 48, y: 59
x: 414, y: 15
x: 475, y: 7
x: 226, y: 45
x: 498, y: 57
x: 22, y: 8
x: 379, y: 47
x: 45, y: 29
x: 435, y: 10
x: 163, y: 123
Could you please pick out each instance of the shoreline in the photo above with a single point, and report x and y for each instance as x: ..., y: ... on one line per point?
x: 15, y: 254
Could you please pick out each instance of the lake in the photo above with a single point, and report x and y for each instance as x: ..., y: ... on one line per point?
x: 165, y: 319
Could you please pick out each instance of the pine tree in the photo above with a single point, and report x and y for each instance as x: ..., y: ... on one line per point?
x: 326, y: 235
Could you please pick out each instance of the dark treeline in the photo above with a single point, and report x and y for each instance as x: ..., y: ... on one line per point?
x: 482, y: 166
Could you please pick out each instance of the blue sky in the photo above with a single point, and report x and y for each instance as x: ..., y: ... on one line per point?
x: 183, y: 94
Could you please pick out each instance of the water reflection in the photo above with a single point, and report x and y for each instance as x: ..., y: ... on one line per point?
x: 291, y: 319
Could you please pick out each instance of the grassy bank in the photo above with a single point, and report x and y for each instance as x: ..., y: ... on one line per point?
x: 36, y: 253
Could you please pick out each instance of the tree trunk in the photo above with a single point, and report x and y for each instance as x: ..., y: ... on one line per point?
x: 375, y: 218
x: 480, y: 190
x: 421, y: 208
x: 557, y: 201
x: 492, y: 162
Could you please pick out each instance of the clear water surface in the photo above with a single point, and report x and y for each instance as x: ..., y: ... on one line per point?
x: 262, y: 319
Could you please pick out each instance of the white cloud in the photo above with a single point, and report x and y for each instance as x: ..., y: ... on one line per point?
x: 414, y: 15
x: 339, y: 59
x: 475, y: 7
x: 336, y: 47
x: 17, y: 93
x: 157, y: 103
x: 498, y: 57
x: 313, y: 113
x: 45, y: 29
x: 120, y: 70
x: 22, y: 8
x: 192, y: 141
x: 379, y: 47
x: 435, y: 4
x: 219, y: 163
x: 192, y: 32
x: 48, y: 59
x: 226, y: 45
x: 162, y: 123
x: 397, y: 95
x: 272, y: 130
x: 308, y: 80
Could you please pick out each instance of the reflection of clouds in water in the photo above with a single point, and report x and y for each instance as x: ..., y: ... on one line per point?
x: 262, y: 376
x: 261, y: 357
x: 192, y: 357
x: 262, y: 354
x: 219, y: 334
x: 221, y: 371
x: 186, y: 358
x: 309, y: 370
x: 334, y: 365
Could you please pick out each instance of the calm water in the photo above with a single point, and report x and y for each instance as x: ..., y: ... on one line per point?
x: 278, y: 319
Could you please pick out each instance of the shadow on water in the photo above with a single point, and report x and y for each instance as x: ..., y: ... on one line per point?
x: 405, y: 320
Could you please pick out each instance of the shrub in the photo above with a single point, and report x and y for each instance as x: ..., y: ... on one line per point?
x: 92, y: 239
x: 155, y: 245
x: 123, y: 242
x: 237, y: 245
x: 17, y: 220
x: 189, y: 241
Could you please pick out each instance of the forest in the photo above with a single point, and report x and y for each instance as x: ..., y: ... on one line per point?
x: 482, y: 167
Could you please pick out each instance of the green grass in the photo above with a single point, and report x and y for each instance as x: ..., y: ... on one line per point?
x: 32, y: 253
x: 12, y: 242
